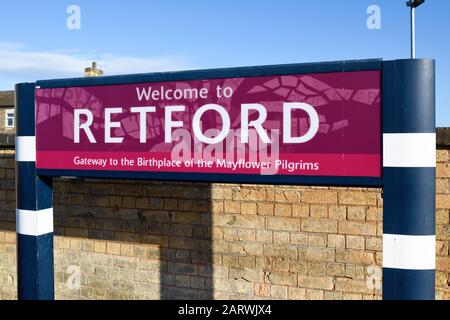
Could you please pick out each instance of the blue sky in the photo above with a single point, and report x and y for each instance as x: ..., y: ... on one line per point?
x: 156, y: 35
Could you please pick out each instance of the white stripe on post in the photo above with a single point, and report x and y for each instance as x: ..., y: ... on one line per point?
x: 26, y: 149
x: 409, y: 252
x: 409, y: 150
x: 34, y: 223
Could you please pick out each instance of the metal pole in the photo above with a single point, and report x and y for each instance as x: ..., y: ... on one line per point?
x: 34, y: 214
x: 413, y: 32
x: 409, y: 174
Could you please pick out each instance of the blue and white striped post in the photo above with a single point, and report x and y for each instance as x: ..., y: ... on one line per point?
x: 409, y: 161
x: 34, y: 214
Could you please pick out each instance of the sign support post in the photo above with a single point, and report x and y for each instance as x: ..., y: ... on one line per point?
x: 409, y: 172
x: 34, y: 213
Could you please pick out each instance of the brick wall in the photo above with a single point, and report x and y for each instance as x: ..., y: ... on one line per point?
x: 152, y: 240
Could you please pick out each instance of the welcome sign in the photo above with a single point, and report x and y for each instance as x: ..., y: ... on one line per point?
x: 262, y: 128
x: 320, y: 124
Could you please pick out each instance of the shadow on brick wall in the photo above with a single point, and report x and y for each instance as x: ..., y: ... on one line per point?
x: 138, y: 238
x: 7, y: 186
x: 128, y: 239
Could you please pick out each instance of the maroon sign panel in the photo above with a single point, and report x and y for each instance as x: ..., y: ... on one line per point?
x: 325, y: 124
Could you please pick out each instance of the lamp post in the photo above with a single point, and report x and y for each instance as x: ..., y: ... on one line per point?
x: 413, y: 4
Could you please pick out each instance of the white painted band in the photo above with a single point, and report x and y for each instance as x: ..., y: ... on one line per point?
x: 26, y: 149
x: 409, y: 252
x: 34, y: 223
x: 409, y: 150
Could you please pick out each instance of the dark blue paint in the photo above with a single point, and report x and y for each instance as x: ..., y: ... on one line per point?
x: 25, y: 186
x: 409, y: 201
x: 32, y: 192
x: 409, y: 193
x: 409, y: 96
x: 35, y: 278
x: 225, y: 178
x: 35, y: 275
x: 44, y: 193
x: 24, y: 114
x: 283, y: 69
x: 399, y: 284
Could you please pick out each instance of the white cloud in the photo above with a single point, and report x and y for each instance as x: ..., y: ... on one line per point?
x: 11, y: 45
x: 19, y: 64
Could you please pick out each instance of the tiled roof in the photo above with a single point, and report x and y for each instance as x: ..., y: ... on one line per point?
x: 6, y: 98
